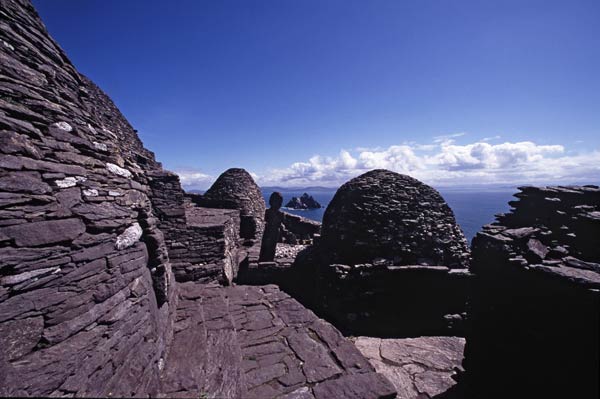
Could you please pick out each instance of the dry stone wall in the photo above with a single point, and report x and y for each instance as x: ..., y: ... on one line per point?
x: 202, y: 242
x: 85, y: 279
x: 534, y: 314
x: 299, y: 230
x: 391, y: 260
x: 385, y: 216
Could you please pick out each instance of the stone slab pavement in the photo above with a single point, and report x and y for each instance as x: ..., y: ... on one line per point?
x: 258, y: 342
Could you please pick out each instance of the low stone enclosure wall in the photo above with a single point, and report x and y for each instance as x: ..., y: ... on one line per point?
x: 299, y: 230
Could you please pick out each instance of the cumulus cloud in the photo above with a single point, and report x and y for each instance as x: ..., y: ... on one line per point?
x: 194, y: 179
x: 447, y: 163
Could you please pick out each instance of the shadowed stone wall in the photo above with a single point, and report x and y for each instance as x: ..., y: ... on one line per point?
x: 385, y: 216
x: 535, y: 304
x: 86, y: 288
x: 391, y: 260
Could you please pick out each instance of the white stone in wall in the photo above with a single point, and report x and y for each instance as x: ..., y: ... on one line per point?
x: 92, y: 192
x: 117, y: 170
x: 109, y: 132
x: 18, y: 278
x: 64, y: 126
x: 92, y: 129
x: 100, y: 146
x: 114, y: 194
x: 66, y: 182
x: 69, y: 181
x: 130, y: 236
x: 8, y: 45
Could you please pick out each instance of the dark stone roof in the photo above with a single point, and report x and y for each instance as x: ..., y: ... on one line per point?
x: 389, y: 217
x: 236, y: 189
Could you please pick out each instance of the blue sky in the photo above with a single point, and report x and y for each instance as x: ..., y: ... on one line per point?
x: 315, y: 92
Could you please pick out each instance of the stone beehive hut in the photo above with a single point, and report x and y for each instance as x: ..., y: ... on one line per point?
x: 79, y: 240
x: 236, y: 189
x: 394, y: 218
x: 90, y: 229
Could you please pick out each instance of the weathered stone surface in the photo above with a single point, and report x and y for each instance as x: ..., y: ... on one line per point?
x: 20, y: 337
x: 45, y: 232
x: 236, y: 189
x: 416, y: 366
x: 386, y: 215
x: 117, y: 170
x: 130, y: 236
x: 534, y: 300
x: 365, y: 386
x: 23, y: 182
x: 72, y: 323
x: 266, y: 345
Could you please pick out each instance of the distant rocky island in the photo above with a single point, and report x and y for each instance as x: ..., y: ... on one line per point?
x: 303, y: 202
x: 114, y: 282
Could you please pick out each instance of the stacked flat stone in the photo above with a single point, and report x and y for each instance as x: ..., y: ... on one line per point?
x: 391, y: 260
x: 85, y: 278
x: 535, y: 297
x: 88, y: 220
x: 236, y: 189
x: 388, y: 217
x: 553, y: 229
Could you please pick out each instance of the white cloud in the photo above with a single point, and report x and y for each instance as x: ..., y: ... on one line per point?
x: 447, y: 137
x: 491, y: 138
x: 194, y: 179
x: 446, y: 163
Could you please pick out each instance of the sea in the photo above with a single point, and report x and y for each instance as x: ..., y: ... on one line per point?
x: 472, y: 208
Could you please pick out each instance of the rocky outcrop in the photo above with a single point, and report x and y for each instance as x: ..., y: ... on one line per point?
x: 383, y: 215
x: 535, y: 298
x: 236, y: 189
x: 391, y: 260
x: 86, y: 289
x: 305, y: 201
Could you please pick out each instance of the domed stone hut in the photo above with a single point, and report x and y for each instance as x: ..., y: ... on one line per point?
x: 386, y: 217
x: 236, y: 189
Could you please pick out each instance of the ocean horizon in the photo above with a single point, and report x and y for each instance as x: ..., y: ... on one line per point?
x: 472, y: 209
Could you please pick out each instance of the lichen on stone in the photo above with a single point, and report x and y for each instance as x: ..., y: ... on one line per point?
x: 130, y: 236
x: 117, y: 170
